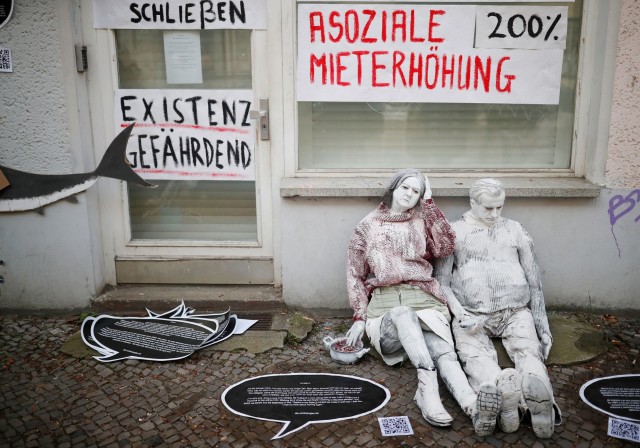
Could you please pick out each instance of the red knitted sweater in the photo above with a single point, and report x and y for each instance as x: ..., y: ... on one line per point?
x: 389, y: 249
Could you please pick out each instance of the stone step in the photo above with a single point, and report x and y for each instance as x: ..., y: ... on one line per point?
x: 129, y: 298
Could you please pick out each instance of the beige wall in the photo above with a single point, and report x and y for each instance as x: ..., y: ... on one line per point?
x: 623, y: 163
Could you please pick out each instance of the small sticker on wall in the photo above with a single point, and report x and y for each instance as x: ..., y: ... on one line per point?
x: 6, y: 63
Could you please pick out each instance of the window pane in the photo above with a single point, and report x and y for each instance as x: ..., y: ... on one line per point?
x: 226, y: 60
x: 194, y: 211
x: 444, y: 136
x: 190, y: 210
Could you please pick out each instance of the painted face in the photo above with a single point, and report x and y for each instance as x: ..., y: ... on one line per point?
x: 488, y: 208
x: 406, y: 195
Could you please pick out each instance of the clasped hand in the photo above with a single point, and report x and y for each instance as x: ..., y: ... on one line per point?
x: 471, y: 324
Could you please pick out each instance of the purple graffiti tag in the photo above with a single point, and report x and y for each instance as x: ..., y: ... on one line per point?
x: 618, y: 201
x: 628, y: 203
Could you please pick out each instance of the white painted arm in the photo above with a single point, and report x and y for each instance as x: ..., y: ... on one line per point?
x: 531, y: 270
x: 357, y: 272
x: 443, y: 270
x: 546, y: 341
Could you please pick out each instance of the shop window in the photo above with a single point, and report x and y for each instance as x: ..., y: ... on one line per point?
x: 208, y: 210
x: 444, y: 136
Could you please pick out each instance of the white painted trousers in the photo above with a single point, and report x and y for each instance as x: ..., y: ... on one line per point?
x: 424, y: 336
x: 519, y: 337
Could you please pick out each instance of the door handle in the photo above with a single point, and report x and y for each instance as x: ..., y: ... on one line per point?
x: 262, y: 116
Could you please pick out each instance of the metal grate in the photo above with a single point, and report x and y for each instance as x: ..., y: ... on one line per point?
x: 264, y: 320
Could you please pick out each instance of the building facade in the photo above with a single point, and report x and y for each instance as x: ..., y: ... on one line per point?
x: 267, y: 146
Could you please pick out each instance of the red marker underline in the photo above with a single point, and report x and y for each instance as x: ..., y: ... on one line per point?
x: 187, y: 126
x: 188, y: 173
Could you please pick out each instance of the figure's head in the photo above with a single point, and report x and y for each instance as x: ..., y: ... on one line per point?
x: 405, y: 190
x: 487, y: 199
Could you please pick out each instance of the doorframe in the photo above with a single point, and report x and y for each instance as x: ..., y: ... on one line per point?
x: 116, y: 246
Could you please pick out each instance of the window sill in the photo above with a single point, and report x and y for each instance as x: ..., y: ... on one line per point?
x: 534, y: 187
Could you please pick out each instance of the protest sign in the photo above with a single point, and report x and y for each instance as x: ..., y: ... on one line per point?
x: 180, y: 14
x: 188, y: 134
x: 428, y: 53
x: 169, y: 336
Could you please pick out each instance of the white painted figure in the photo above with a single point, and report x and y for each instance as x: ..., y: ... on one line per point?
x: 396, y: 300
x: 494, y: 275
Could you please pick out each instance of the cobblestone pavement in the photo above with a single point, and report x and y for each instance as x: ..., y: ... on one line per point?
x: 50, y: 399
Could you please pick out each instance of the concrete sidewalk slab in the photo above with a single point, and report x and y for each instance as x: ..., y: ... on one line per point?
x: 252, y: 342
x: 574, y: 341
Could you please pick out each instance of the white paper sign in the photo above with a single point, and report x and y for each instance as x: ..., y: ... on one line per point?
x: 182, y: 57
x: 531, y: 27
x: 180, y: 14
x: 188, y: 134
x: 414, y: 53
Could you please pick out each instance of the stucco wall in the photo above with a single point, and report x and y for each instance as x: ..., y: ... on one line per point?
x: 623, y: 163
x: 48, y: 264
x: 33, y: 117
x: 48, y: 259
x: 585, y: 262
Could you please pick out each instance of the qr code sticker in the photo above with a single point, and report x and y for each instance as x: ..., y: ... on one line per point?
x: 5, y: 60
x: 623, y: 429
x: 395, y: 426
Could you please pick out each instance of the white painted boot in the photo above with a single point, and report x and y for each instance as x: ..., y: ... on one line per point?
x: 509, y: 385
x: 428, y: 399
x: 539, y: 398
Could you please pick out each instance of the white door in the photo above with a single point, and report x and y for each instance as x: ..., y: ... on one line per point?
x: 215, y: 230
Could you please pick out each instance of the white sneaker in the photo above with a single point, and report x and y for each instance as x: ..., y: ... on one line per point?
x: 509, y: 385
x: 488, y: 406
x: 539, y: 400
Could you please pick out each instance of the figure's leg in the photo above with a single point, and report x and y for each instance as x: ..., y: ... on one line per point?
x: 488, y: 405
x: 480, y: 362
x: 509, y: 384
x: 451, y: 372
x: 523, y: 346
x: 477, y: 355
x: 483, y: 408
x: 400, y: 327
